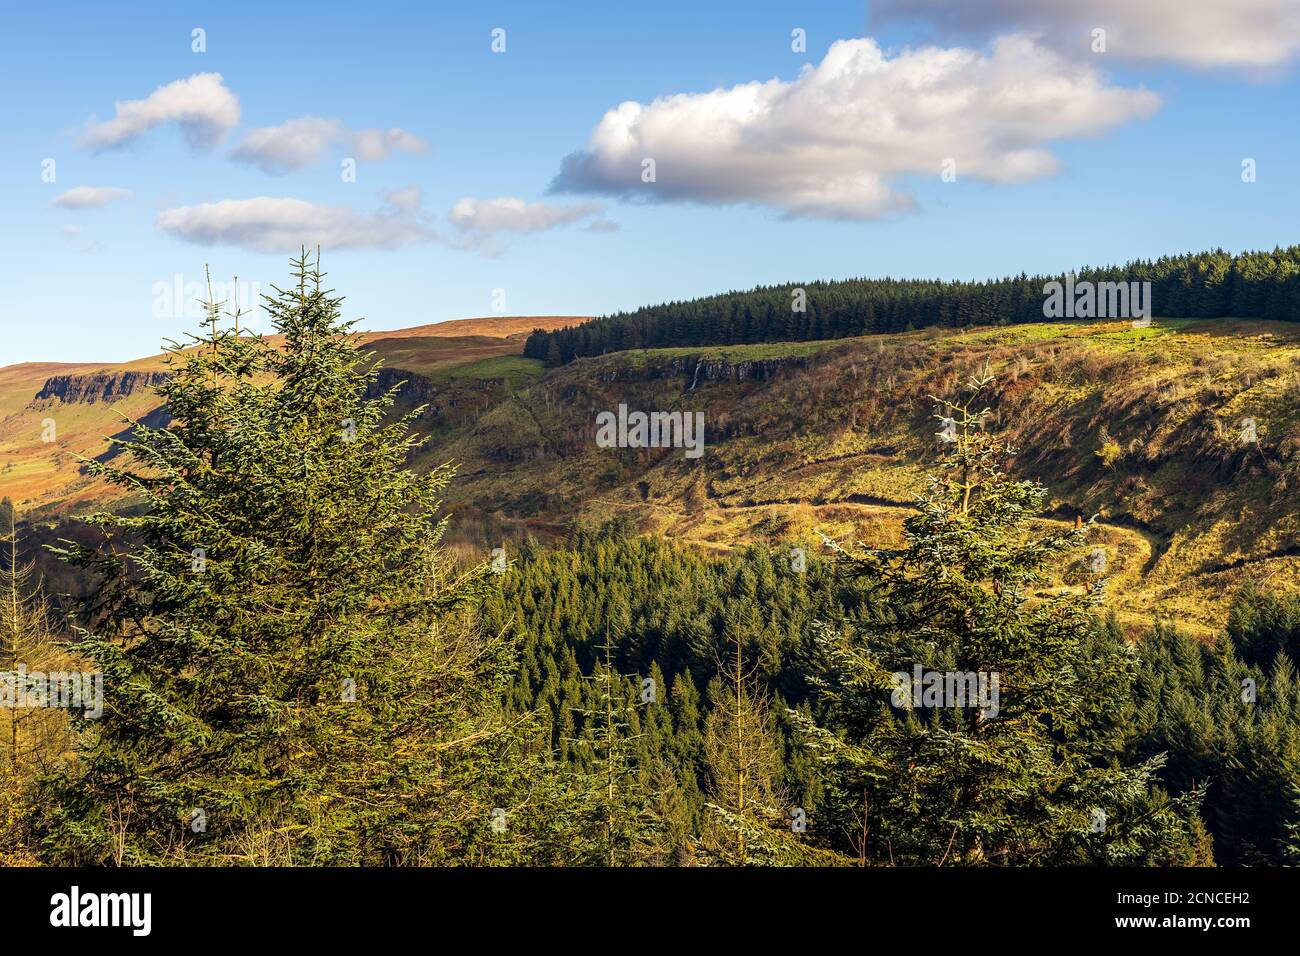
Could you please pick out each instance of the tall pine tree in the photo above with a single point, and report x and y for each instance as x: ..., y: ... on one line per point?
x: 288, y: 674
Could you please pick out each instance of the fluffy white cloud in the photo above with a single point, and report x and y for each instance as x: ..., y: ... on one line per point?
x: 201, y: 105
x: 833, y: 142
x: 373, y: 145
x: 274, y: 225
x: 89, y: 197
x: 301, y: 142
x: 1198, y: 33
x: 295, y: 144
x: 488, y: 217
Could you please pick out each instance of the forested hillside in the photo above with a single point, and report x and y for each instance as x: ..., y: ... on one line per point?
x: 632, y: 657
x: 676, y: 617
x: 1208, y: 284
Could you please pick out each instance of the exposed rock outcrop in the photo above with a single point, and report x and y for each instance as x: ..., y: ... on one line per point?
x: 98, y: 386
x: 698, y: 369
x: 415, y: 387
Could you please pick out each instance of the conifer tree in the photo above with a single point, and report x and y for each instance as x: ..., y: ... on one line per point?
x: 1033, y: 779
x: 616, y: 810
x: 1231, y: 731
x: 289, y: 676
x: 31, y: 736
x: 743, y: 763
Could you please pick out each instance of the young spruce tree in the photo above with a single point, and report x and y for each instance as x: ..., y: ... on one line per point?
x: 288, y: 675
x: 1039, y: 780
x: 743, y: 763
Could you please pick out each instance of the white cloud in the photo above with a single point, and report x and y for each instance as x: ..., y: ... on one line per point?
x: 484, y: 218
x: 373, y: 145
x: 295, y: 144
x: 407, y: 199
x: 89, y: 197
x: 273, y: 225
x: 834, y: 142
x: 483, y: 224
x: 1198, y: 33
x: 276, y: 225
x: 301, y: 142
x: 201, y: 105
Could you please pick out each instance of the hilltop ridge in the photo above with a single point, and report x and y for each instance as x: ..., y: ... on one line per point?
x: 88, y: 401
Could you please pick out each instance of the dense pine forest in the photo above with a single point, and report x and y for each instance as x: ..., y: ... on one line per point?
x: 676, y: 617
x: 296, y: 672
x: 1201, y: 285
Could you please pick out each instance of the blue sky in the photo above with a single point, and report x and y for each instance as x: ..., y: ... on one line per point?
x: 1151, y: 166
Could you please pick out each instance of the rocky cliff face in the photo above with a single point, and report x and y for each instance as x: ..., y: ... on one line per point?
x: 420, y: 390
x: 415, y: 388
x: 698, y: 369
x: 98, y: 386
x: 449, y: 403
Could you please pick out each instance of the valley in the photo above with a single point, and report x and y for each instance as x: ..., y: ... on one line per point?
x: 1140, y: 427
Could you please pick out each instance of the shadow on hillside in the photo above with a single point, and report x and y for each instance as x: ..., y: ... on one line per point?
x: 158, y: 418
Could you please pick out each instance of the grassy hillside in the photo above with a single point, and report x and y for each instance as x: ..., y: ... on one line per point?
x: 1143, y: 427
x: 45, y: 478
x: 1140, y: 426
